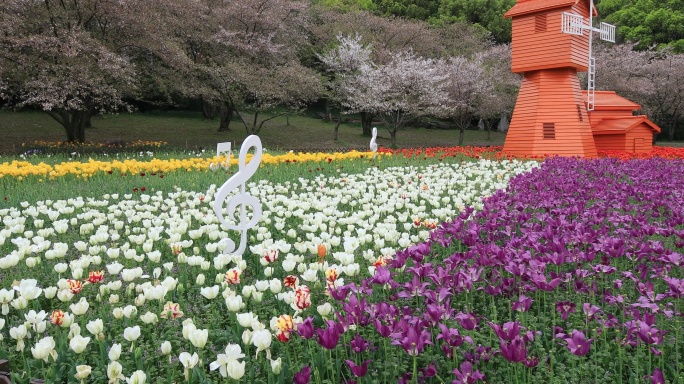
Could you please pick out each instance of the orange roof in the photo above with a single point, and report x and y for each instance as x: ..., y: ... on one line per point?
x: 609, y: 100
x: 524, y: 7
x: 621, y: 125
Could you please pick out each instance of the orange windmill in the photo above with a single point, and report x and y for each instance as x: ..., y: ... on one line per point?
x: 550, y: 45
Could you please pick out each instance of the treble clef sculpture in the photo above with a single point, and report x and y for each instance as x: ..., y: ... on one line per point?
x: 242, y: 199
x: 373, y: 144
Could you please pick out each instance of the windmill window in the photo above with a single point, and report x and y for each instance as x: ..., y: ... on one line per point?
x: 549, y: 130
x: 579, y: 113
x: 540, y: 23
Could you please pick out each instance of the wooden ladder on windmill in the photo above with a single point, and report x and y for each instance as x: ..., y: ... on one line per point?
x: 574, y: 24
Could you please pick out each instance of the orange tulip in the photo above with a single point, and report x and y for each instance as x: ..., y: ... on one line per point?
x: 322, y: 251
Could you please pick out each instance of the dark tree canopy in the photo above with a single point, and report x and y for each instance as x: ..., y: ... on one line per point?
x: 647, y: 23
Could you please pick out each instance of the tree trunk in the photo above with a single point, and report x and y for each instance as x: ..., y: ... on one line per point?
x: 393, y: 135
x: 209, y: 110
x: 254, y: 129
x: 88, y: 123
x: 328, y: 111
x: 489, y: 124
x: 366, y: 122
x: 78, y: 122
x: 671, y: 130
x: 337, y: 127
x: 74, y: 123
x: 461, y: 135
x: 226, y: 112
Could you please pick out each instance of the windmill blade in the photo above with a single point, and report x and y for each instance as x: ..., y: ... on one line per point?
x: 572, y: 24
x: 607, y: 32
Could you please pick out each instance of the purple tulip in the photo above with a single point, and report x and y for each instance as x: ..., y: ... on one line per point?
x: 590, y: 310
x: 657, y: 377
x: 339, y: 293
x: 506, y: 332
x: 360, y: 370
x: 531, y: 362
x: 466, y: 375
x: 306, y: 328
x: 565, y: 308
x: 412, y: 339
x: 578, y: 344
x: 523, y: 304
x: 358, y: 344
x: 303, y: 376
x: 328, y: 337
x: 413, y: 288
x: 382, y: 329
x: 467, y: 320
x: 514, y: 350
x: 649, y: 334
x: 382, y: 275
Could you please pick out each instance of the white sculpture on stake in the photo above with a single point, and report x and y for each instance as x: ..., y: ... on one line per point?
x: 224, y: 148
x: 242, y: 199
x: 574, y: 24
x: 373, y: 144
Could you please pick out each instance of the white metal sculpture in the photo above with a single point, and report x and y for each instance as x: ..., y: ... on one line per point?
x: 373, y: 144
x: 242, y: 199
x: 574, y: 24
x: 224, y: 148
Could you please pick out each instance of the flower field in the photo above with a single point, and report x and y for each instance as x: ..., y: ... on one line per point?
x: 431, y: 266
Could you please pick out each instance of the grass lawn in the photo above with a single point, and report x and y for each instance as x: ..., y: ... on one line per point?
x: 189, y: 130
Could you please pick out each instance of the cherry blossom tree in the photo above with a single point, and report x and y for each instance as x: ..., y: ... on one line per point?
x: 72, y: 59
x: 654, y: 79
x: 343, y: 64
x: 390, y: 35
x: 466, y: 85
x: 55, y: 57
x: 250, y: 59
x: 501, y: 86
x: 406, y: 87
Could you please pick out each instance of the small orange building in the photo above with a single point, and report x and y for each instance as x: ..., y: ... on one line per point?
x: 550, y: 116
x: 616, y: 128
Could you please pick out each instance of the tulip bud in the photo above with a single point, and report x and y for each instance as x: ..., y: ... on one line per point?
x: 200, y: 280
x: 118, y: 313
x: 276, y: 365
x: 115, y: 352
x: 166, y: 348
x: 247, y: 337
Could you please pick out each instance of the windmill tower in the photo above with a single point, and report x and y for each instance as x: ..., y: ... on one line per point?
x: 550, y: 116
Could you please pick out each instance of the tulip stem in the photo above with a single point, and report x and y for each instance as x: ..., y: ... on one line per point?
x: 415, y: 369
x: 333, y: 365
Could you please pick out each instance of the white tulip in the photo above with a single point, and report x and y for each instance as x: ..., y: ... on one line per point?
x: 245, y: 319
x: 79, y: 343
x: 198, y: 337
x: 149, y: 318
x: 82, y: 371
x: 95, y: 327
x: 138, y: 377
x: 166, y: 348
x: 115, y: 372
x: 115, y: 352
x: 210, y: 292
x: 80, y: 307
x: 234, y: 303
x: 132, y: 333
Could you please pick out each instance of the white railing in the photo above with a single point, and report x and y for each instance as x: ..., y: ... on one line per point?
x: 572, y: 24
